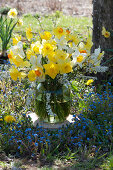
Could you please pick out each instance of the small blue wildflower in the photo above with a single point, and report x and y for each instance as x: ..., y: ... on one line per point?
x: 109, y: 83
x: 36, y: 144
x: 29, y: 137
x: 19, y: 141
x: 28, y: 129
x: 102, y: 113
x: 35, y: 135
x: 88, y: 139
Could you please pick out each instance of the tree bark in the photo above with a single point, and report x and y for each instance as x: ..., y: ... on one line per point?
x: 103, y: 16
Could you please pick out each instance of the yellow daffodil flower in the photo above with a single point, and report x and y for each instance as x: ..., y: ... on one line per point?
x: 18, y: 61
x: 36, y: 47
x: 29, y: 53
x: 45, y: 35
x: 25, y: 64
x: 32, y: 75
x: 16, y: 39
x: 80, y: 58
x: 40, y: 74
x: 89, y: 82
x: 88, y: 44
x: 65, y: 68
x: 59, y: 32
x: 29, y: 34
x: 68, y: 32
x: 12, y: 13
x: 37, y: 72
x: 14, y: 73
x: 47, y: 49
x: 82, y: 51
x: 9, y: 119
x: 51, y: 69
x: 52, y: 57
x: 61, y: 56
x: 105, y: 33
x: 72, y: 40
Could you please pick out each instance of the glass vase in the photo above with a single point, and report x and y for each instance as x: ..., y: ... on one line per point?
x: 52, y: 105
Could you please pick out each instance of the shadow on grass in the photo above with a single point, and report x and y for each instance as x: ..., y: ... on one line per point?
x: 79, y: 161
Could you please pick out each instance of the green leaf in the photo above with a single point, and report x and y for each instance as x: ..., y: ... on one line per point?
x: 6, y: 29
x: 111, y: 50
x: 107, y: 61
x: 10, y: 33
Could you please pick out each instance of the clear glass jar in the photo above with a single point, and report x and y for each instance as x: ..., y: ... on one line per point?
x: 52, y: 105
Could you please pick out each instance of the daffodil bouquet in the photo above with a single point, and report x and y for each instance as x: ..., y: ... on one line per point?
x: 50, y: 57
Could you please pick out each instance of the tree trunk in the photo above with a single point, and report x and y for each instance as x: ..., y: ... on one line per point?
x: 103, y: 16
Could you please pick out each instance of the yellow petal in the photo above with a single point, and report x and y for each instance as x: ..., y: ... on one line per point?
x: 32, y: 75
x: 51, y: 69
x: 89, y: 82
x: 23, y: 75
x: 29, y: 34
x: 65, y: 68
x: 14, y: 73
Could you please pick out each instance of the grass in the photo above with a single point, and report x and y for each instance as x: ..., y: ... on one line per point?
x: 79, y: 24
x: 84, y: 162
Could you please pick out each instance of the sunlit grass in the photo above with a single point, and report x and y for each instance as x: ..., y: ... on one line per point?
x: 79, y: 24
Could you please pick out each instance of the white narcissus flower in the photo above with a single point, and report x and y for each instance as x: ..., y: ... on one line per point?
x: 96, y: 57
x: 96, y: 53
x: 18, y: 49
x: 12, y: 13
x: 78, y: 58
x: 61, y: 43
x: 36, y: 61
x: 37, y: 67
x: 69, y: 50
x: 36, y: 47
